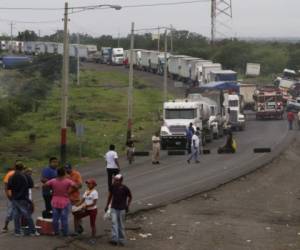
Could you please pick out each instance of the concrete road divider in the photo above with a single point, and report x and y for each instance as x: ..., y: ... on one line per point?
x: 262, y: 150
x: 176, y: 152
x: 141, y: 153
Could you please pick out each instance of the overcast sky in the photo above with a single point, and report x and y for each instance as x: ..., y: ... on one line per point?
x: 251, y: 18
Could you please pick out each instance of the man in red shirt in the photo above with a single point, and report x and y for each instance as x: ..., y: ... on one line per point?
x: 291, y: 118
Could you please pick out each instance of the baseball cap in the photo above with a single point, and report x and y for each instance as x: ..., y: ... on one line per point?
x: 118, y: 177
x: 91, y: 181
x: 68, y: 166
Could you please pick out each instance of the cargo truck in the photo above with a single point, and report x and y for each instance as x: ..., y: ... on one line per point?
x: 268, y: 103
x: 207, y: 68
x: 223, y: 75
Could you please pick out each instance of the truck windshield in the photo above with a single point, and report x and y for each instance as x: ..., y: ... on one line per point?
x: 180, y: 113
x: 119, y: 55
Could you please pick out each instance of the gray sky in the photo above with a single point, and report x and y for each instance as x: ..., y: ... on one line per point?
x: 252, y: 18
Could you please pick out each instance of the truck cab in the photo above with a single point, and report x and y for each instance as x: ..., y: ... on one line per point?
x: 117, y: 56
x: 235, y: 119
x: 177, y: 116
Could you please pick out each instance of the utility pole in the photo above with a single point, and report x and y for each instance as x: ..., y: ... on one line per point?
x: 11, y: 37
x: 166, y: 68
x: 65, y: 83
x: 213, y: 20
x: 130, y: 87
x: 78, y: 60
x: 158, y: 39
x: 118, y: 39
x: 171, y: 38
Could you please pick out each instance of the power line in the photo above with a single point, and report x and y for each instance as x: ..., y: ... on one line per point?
x: 89, y: 7
x: 29, y: 22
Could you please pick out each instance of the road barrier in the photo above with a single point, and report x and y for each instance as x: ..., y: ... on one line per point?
x: 176, y: 152
x: 262, y: 150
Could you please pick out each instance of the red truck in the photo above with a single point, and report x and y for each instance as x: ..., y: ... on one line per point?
x: 268, y: 103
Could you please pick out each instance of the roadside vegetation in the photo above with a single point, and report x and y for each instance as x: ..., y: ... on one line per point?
x: 30, y: 113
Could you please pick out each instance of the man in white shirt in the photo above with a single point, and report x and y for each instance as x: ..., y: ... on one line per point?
x: 195, y: 148
x: 112, y: 164
x: 155, y: 148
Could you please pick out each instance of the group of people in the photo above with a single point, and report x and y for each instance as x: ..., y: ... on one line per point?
x: 61, y: 186
x: 291, y: 119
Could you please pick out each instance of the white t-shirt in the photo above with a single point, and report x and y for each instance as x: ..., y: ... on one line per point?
x: 89, y: 198
x: 197, y: 141
x: 110, y: 158
x: 155, y: 139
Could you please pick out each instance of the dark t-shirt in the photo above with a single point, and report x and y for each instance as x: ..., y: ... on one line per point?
x: 120, y: 194
x: 19, y: 185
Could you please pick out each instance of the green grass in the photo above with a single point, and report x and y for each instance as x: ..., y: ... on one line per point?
x: 100, y: 104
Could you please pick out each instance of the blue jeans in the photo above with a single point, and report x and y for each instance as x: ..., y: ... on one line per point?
x: 22, y: 209
x: 9, y: 215
x: 290, y: 125
x: 195, y: 154
x: 118, y: 228
x: 61, y: 214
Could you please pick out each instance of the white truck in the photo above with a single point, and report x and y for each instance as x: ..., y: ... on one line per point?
x: 235, y: 119
x: 174, y: 65
x: 145, y: 60
x: 117, y: 56
x: 207, y: 68
x: 246, y: 92
x: 178, y: 114
x: 223, y: 76
x: 187, y: 68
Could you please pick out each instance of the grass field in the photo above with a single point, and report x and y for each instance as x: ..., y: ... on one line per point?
x: 100, y: 104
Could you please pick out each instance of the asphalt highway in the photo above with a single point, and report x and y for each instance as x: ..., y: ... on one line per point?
x: 175, y: 179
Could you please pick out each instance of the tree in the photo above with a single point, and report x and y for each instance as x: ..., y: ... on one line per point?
x: 27, y: 35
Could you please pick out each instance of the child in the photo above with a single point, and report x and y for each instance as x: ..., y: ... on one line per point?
x: 88, y: 206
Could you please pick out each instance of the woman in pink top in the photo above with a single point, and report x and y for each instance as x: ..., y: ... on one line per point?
x: 60, y: 186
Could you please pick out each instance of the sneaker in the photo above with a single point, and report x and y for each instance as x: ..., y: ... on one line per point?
x: 197, y: 162
x: 113, y: 243
x: 36, y: 233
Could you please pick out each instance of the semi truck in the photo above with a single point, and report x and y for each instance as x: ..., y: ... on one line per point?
x: 178, y: 114
x: 207, y: 68
x: 268, y: 103
x: 105, y: 55
x: 223, y: 75
x: 116, y: 56
x: 246, y: 92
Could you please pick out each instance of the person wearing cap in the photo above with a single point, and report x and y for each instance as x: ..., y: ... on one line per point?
x: 19, y: 184
x: 112, y: 164
x: 119, y: 199
x: 88, y: 206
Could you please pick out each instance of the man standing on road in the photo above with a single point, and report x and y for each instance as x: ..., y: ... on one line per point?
x: 9, y: 215
x: 291, y: 118
x: 48, y: 174
x: 19, y: 184
x: 155, y: 148
x: 189, y: 134
x: 112, y: 164
x: 120, y: 198
x: 195, y: 148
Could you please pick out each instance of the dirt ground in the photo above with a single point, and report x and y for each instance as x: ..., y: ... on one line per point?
x: 259, y: 212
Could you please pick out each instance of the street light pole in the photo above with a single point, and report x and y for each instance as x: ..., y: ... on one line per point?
x: 65, y: 83
x: 78, y: 60
x: 166, y: 68
x: 130, y: 87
